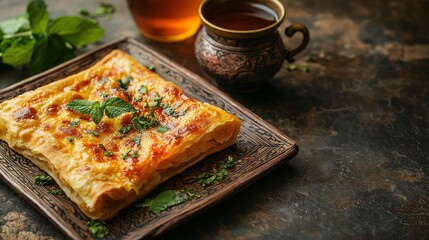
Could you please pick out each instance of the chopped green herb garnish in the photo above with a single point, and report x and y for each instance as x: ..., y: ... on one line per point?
x: 124, y: 129
x: 171, y: 111
x: 137, y: 140
x: 42, y: 179
x: 292, y: 67
x: 124, y: 83
x: 311, y: 58
x: 157, y: 100
x: 105, y: 95
x: 206, y: 179
x: 92, y: 132
x: 56, y: 192
x: 135, y: 154
x: 70, y: 139
x: 304, y: 68
x: 151, y: 67
x: 144, y: 122
x: 142, y: 89
x: 229, y: 163
x: 75, y: 122
x: 165, y: 106
x: 183, y: 112
x: 162, y: 129
x: 98, y: 228
x: 191, y: 194
x: 112, y: 107
x: 137, y: 99
x: 106, y: 153
x: 125, y: 154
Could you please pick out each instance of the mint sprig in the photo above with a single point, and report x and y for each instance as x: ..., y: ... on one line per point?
x: 35, y: 40
x: 112, y: 107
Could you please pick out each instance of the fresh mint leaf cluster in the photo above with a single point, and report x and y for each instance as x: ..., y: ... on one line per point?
x: 35, y: 40
x: 112, y: 107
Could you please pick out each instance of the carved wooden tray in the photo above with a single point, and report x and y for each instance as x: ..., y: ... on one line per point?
x: 260, y: 147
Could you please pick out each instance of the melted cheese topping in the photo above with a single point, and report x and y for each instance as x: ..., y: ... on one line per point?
x: 71, y: 147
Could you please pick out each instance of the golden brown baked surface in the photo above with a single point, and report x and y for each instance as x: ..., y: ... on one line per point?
x: 106, y: 166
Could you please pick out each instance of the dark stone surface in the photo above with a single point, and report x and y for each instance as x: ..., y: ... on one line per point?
x: 360, y: 117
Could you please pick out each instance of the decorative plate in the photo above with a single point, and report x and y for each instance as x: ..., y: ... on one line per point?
x: 260, y: 148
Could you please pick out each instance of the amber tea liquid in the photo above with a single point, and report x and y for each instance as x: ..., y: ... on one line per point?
x: 241, y: 16
x: 166, y: 20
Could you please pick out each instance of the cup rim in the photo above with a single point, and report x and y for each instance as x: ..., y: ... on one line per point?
x: 243, y: 34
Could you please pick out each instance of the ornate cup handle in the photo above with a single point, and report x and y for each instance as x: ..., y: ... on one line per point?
x: 290, y: 31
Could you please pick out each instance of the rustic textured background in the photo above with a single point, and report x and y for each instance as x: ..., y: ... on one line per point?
x: 360, y: 117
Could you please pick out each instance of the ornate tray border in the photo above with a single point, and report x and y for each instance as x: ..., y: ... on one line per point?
x: 259, y: 149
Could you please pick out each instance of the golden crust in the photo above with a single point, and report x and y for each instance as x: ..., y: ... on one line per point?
x: 37, y: 124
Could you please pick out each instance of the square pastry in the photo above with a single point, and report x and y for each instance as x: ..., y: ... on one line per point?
x: 112, y: 133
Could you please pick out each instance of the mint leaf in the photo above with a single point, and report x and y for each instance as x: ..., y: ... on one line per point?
x: 75, y: 122
x: 124, y: 83
x: 164, y: 200
x: 17, y: 51
x: 12, y: 26
x: 76, y: 30
x: 96, y: 113
x: 162, y: 129
x: 124, y: 129
x: 157, y: 100
x: 49, y: 51
x: 106, y: 153
x: 143, y: 89
x: 125, y: 154
x: 116, y: 106
x: 70, y: 139
x: 94, y: 109
x: 92, y: 132
x: 98, y: 228
x: 38, y: 16
x: 137, y: 140
x: 81, y: 106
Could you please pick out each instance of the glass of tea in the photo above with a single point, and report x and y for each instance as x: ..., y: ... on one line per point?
x: 166, y: 20
x: 240, y: 45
